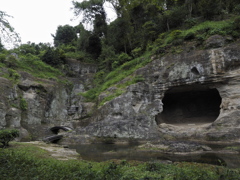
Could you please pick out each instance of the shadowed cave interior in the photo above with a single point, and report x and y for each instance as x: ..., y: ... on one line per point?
x: 190, y: 105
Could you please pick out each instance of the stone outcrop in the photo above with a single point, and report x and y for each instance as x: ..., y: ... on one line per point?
x: 194, y: 94
x: 34, y: 105
x: 201, y: 93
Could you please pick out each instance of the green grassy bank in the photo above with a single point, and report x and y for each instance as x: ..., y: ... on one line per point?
x: 26, y: 161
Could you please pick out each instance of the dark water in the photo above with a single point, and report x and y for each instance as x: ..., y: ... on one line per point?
x: 104, y: 152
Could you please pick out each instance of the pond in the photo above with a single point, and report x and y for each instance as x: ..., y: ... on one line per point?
x: 104, y: 152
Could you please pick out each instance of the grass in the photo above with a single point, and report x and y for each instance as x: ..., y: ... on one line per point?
x: 26, y: 161
x: 31, y: 64
x: 200, y: 31
x: 116, y: 76
x: 213, y: 27
x: 117, y: 93
x: 38, y: 68
x: 172, y: 40
x: 12, y: 75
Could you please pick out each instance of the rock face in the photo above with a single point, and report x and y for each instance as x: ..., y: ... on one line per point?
x: 34, y: 105
x: 191, y: 95
x: 194, y: 94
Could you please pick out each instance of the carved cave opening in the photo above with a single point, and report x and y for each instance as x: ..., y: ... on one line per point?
x: 190, y: 105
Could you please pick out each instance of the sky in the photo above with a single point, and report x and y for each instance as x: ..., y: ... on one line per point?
x: 36, y: 20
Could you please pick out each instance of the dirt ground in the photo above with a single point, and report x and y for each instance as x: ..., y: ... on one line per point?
x: 57, y: 151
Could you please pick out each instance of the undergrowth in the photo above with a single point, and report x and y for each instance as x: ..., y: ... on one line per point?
x: 115, y: 76
x: 24, y: 161
x: 30, y: 64
x: 38, y: 68
x: 199, y: 32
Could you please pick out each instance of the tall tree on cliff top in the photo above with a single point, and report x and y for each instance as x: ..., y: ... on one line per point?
x: 65, y: 35
x: 8, y: 34
x: 94, y: 13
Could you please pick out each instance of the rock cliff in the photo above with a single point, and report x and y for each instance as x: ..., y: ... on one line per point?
x: 189, y: 95
x: 193, y: 94
x: 34, y: 105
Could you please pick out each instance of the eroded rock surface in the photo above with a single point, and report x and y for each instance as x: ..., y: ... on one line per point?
x: 194, y: 94
x: 34, y: 105
x: 185, y: 77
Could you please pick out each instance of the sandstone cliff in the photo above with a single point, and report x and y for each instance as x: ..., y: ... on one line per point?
x: 33, y: 105
x: 189, y: 95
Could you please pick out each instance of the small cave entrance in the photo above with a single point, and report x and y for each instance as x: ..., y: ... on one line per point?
x: 190, y: 105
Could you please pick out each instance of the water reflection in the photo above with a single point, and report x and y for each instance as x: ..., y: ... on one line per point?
x: 104, y: 152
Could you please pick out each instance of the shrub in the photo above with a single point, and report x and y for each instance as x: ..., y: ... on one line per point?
x: 190, y: 22
x: 26, y: 161
x: 236, y: 10
x: 122, y: 58
x: 137, y: 52
x: 2, y: 58
x: 236, y: 23
x: 33, y: 65
x: 23, y: 104
x: 189, y: 36
x: 13, y: 74
x: 11, y: 61
x: 8, y: 135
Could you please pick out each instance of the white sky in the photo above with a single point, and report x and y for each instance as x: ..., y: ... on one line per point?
x: 36, y: 20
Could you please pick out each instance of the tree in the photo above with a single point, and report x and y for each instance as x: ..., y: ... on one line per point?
x: 89, y: 9
x: 30, y: 48
x: 119, y: 34
x: 94, y: 13
x: 8, y: 34
x: 94, y: 46
x: 1, y: 46
x: 65, y: 35
x: 209, y: 9
x: 107, y: 58
x: 89, y: 42
x: 82, y: 41
x: 53, y: 57
x: 7, y: 135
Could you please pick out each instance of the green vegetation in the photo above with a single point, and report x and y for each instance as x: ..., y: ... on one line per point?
x: 8, y: 135
x: 127, y: 43
x: 25, y: 161
x: 8, y: 33
x: 38, y: 68
x: 28, y: 63
x: 143, y: 28
x: 112, y: 79
x: 164, y: 44
x: 117, y: 93
x: 11, y: 74
x: 233, y: 148
x: 23, y: 104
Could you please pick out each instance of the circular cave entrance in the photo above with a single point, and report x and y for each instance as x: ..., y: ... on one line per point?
x: 190, y: 105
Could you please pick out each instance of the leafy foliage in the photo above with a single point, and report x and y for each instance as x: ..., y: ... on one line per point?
x: 105, y: 80
x: 8, y: 34
x: 8, y: 135
x: 65, y: 35
x: 53, y: 57
x: 23, y: 104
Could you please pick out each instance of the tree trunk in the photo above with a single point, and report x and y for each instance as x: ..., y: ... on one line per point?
x: 168, y: 28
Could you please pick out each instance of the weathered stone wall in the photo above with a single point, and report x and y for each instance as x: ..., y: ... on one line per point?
x: 133, y: 114
x: 47, y: 102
